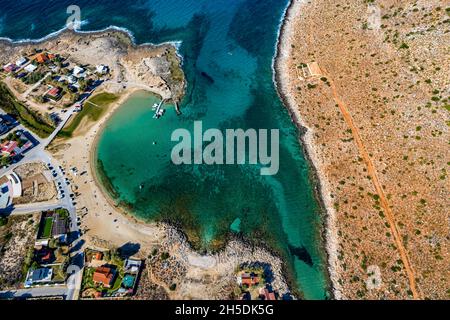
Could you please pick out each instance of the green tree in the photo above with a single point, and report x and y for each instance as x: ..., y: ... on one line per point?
x: 5, y: 161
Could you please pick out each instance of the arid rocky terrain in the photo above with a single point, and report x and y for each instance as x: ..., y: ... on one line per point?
x: 369, y: 80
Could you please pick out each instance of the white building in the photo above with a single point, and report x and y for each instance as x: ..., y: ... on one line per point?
x: 72, y: 79
x: 30, y: 68
x: 101, y: 69
x: 78, y: 71
x: 21, y: 61
x: 132, y: 265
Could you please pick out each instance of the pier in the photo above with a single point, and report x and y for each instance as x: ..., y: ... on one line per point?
x: 177, y: 109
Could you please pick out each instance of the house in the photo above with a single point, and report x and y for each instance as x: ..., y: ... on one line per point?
x: 30, y: 68
x: 78, y: 107
x: 72, y: 79
x: 41, y: 57
x: 54, y: 93
x: 104, y: 276
x: 10, y: 148
x: 94, y: 256
x: 5, y: 124
x: 27, y: 145
x: 78, y: 72
x: 3, y: 127
x: 44, y: 254
x: 9, y: 67
x: 101, y: 69
x: 246, y: 296
x: 21, y: 61
x: 41, y: 275
x: 21, y: 75
x: 249, y: 279
x: 61, y: 78
x: 98, y: 256
x: 53, y: 68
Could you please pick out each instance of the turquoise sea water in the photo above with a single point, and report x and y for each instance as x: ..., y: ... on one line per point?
x: 233, y: 42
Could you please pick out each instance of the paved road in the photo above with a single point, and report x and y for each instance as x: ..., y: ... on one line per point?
x: 70, y: 291
x: 35, y: 207
x: 38, y: 153
x: 35, y: 292
x: 76, y: 274
x: 65, y: 117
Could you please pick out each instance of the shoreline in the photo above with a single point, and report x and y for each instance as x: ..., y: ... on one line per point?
x: 320, y: 185
x: 93, y: 155
x: 103, y: 223
x: 112, y: 28
x: 234, y: 248
x: 137, y: 226
x: 168, y: 228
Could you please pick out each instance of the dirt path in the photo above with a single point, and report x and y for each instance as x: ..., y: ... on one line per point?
x: 374, y: 177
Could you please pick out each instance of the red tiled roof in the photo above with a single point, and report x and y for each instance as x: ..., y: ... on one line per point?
x: 41, y: 57
x: 9, y: 146
x: 98, y: 256
x: 47, y: 256
x: 249, y: 280
x: 54, y: 92
x: 103, y: 275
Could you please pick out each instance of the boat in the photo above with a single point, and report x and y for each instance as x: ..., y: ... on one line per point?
x: 159, y: 111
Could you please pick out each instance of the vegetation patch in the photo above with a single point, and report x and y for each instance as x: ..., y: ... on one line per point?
x: 93, y: 110
x: 29, y: 118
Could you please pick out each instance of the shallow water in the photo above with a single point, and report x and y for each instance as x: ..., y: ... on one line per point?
x: 233, y: 42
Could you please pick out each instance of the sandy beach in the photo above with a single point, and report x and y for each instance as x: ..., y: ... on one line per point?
x: 105, y: 225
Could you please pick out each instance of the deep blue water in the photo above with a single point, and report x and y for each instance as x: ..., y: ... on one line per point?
x: 233, y: 41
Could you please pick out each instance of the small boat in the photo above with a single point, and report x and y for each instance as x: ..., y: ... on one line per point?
x: 155, y: 106
x: 159, y: 113
x: 141, y: 186
x: 159, y: 110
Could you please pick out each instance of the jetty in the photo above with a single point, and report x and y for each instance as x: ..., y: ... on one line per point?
x: 177, y: 109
